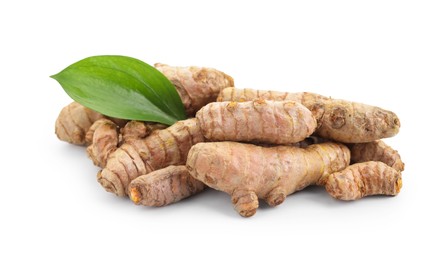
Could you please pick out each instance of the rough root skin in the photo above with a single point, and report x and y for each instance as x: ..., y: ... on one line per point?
x: 376, y: 151
x: 104, y: 141
x: 352, y: 122
x: 164, y: 186
x: 73, y: 123
x: 265, y: 121
x: 245, y: 202
x: 137, y: 157
x: 248, y: 172
x: 196, y: 86
x: 104, y: 138
x: 137, y: 129
x: 364, y: 179
x: 339, y: 120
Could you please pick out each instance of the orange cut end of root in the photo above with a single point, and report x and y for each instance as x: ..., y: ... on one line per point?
x: 135, y: 195
x: 398, y: 185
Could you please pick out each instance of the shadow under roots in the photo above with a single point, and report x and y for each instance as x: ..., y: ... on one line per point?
x: 218, y: 201
x: 316, y: 194
x: 207, y: 200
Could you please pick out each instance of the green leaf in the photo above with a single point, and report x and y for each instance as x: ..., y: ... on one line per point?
x: 122, y: 87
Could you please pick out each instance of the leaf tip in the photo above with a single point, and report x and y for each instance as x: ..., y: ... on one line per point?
x: 55, y: 76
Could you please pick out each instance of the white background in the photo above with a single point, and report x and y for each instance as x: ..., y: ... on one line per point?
x: 392, y: 54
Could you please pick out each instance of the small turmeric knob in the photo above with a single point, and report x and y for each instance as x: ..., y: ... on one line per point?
x: 364, y: 179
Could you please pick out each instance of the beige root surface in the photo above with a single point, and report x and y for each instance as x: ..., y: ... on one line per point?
x: 138, y: 129
x: 164, y: 186
x: 140, y: 156
x: 105, y: 138
x: 74, y: 122
x: 364, y: 179
x: 339, y: 120
x: 248, y: 172
x: 376, y: 151
x: 196, y: 86
x: 265, y: 121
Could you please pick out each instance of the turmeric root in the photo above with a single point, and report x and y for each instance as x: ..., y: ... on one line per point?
x: 104, y: 141
x: 196, y: 86
x: 164, y: 186
x: 138, y: 129
x: 140, y: 156
x: 104, y: 138
x: 248, y: 172
x: 74, y: 121
x: 340, y: 120
x: 364, y: 179
x: 376, y: 151
x: 276, y: 122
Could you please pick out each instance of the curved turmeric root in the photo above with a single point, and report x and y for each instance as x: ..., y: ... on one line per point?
x: 104, y: 138
x: 364, y: 179
x: 104, y: 141
x: 74, y: 122
x: 196, y: 86
x: 275, y: 122
x: 340, y: 120
x: 164, y: 186
x: 376, y: 151
x: 248, y: 172
x: 140, y: 156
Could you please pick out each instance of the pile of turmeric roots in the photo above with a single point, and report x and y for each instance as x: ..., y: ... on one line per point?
x: 248, y: 143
